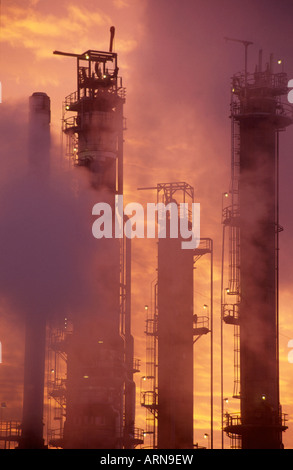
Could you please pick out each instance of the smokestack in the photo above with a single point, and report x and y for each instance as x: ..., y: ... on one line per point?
x: 35, y: 335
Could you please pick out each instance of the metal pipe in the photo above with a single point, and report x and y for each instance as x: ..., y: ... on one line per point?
x: 222, y: 339
x: 112, y: 31
x: 212, y: 352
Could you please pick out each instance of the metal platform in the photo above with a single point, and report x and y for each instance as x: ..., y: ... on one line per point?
x: 10, y: 433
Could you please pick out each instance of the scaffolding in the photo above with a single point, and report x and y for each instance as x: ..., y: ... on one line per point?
x: 149, y: 382
x: 10, y: 433
x: 230, y: 293
x: 98, y: 84
x: 58, y: 339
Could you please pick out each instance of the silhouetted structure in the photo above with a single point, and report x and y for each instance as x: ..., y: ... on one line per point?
x: 35, y: 325
x: 172, y: 328
x: 99, y: 393
x: 258, y: 115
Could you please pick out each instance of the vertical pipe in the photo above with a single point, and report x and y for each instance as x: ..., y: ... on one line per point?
x: 222, y: 339
x: 120, y: 148
x: 112, y: 34
x: 130, y: 384
x: 277, y: 254
x: 77, y: 79
x: 212, y: 353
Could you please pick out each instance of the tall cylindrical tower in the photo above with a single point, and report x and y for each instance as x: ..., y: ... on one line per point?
x: 175, y: 337
x: 258, y: 115
x: 172, y: 326
x: 100, y: 390
x: 35, y: 324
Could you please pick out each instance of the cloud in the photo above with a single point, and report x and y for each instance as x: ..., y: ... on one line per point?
x: 121, y: 3
x: 36, y: 31
x: 41, y: 33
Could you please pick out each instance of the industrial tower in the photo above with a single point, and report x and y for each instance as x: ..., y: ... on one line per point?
x: 99, y: 391
x: 172, y: 328
x: 250, y: 288
x: 32, y: 425
x: 175, y: 343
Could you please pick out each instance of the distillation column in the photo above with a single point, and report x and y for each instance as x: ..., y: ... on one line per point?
x: 35, y: 326
x: 260, y: 114
x: 100, y: 391
x: 175, y: 340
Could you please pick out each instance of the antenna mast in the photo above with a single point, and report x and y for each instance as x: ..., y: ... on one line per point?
x: 246, y: 44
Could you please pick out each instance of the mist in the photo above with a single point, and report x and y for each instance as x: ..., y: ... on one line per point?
x: 47, y: 251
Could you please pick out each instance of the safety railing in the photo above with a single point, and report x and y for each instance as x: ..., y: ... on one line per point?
x: 10, y: 430
x: 231, y: 215
x: 149, y: 399
x: 277, y: 81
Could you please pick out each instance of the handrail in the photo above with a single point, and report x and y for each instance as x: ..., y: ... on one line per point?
x: 10, y: 429
x: 260, y: 79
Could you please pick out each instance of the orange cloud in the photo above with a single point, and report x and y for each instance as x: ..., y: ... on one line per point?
x: 31, y: 29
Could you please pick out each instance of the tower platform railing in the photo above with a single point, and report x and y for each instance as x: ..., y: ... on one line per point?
x: 284, y: 110
x: 230, y: 215
x: 275, y: 81
x: 10, y: 433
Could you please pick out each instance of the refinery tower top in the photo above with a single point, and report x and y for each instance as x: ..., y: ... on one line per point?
x: 96, y: 70
x: 93, y: 117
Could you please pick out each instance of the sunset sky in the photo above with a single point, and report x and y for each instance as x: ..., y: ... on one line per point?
x: 176, y: 67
